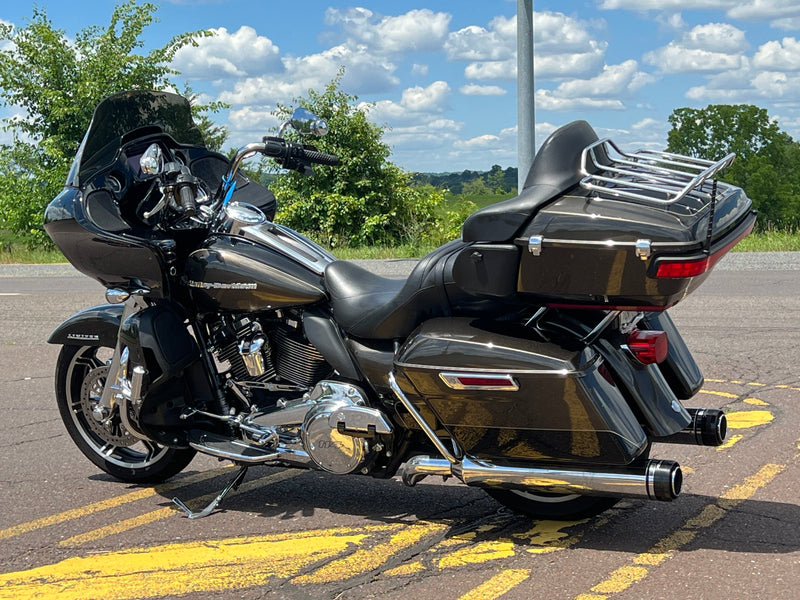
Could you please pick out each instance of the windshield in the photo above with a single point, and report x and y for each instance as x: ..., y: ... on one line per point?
x: 125, y: 112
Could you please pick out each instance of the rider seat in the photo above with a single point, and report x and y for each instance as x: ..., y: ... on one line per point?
x: 373, y: 307
x: 369, y: 306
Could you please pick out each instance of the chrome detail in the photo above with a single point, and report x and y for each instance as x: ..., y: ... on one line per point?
x: 239, y: 215
x: 251, y: 350
x: 292, y: 245
x: 420, y: 420
x: 669, y: 177
x: 453, y: 381
x: 655, y: 480
x: 331, y: 450
x: 610, y: 317
x: 535, y: 244
x: 359, y: 419
x: 117, y: 296
x: 152, y: 161
x: 305, y: 122
x: 83, y: 337
x: 643, y: 249
x: 233, y: 485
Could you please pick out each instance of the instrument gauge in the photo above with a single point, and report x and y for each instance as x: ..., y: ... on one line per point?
x: 113, y: 184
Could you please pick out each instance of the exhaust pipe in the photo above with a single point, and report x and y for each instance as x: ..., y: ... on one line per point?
x: 655, y: 480
x: 709, y: 427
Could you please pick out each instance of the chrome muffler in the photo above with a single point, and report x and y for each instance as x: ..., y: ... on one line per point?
x: 709, y: 427
x: 654, y: 480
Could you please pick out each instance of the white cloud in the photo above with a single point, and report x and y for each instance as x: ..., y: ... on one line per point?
x: 364, y: 73
x: 482, y: 90
x: 563, y: 48
x: 778, y: 56
x: 715, y: 37
x: 704, y: 49
x: 415, y: 30
x: 239, y: 54
x: 615, y: 80
x: 419, y: 70
x: 416, y: 105
x: 602, y: 92
x: 425, y: 99
x: 780, y: 13
x: 547, y: 100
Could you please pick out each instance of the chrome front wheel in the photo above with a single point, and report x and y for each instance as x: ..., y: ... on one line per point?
x: 99, y: 433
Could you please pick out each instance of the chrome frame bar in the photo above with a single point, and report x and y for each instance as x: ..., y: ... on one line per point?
x: 648, y: 171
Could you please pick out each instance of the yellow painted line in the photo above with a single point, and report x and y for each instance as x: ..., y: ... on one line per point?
x: 168, y: 511
x: 497, y: 585
x: 478, y: 553
x: 756, y: 384
x: 755, y: 402
x: 371, y: 559
x: 728, y: 442
x: 748, y: 418
x: 723, y: 394
x: 176, y: 569
x: 89, y: 509
x: 626, y: 576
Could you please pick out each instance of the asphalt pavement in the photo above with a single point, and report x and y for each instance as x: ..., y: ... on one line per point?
x: 69, y: 531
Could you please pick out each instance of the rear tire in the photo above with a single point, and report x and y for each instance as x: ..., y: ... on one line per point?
x: 559, y: 507
x: 80, y: 376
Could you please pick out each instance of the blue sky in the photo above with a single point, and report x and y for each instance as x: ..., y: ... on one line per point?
x: 441, y: 75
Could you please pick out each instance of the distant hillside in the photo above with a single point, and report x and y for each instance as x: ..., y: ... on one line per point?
x: 496, y: 180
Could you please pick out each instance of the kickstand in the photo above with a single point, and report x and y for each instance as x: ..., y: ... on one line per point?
x: 233, y: 485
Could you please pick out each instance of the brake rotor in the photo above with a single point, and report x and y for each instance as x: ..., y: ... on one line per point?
x: 110, y: 428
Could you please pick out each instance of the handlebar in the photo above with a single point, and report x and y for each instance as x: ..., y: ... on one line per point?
x: 280, y: 148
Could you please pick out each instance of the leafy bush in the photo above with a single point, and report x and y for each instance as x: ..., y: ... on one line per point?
x: 366, y: 199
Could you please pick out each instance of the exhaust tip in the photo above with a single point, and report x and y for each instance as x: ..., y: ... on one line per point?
x: 711, y: 426
x: 664, y: 480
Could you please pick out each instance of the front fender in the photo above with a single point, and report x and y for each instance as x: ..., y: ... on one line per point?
x: 95, y: 326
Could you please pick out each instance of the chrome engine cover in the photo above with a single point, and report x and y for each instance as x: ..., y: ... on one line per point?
x: 338, y: 430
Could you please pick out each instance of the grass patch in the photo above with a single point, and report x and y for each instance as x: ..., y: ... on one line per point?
x: 770, y: 241
x: 13, y: 250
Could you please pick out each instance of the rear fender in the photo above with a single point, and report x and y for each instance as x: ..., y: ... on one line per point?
x: 95, y: 326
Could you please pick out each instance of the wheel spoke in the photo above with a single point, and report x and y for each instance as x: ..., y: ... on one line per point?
x: 152, y: 449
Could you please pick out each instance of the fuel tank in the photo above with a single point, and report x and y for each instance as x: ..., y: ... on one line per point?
x: 260, y: 268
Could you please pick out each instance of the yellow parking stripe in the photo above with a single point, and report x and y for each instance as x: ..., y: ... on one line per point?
x: 497, y: 585
x: 168, y: 511
x: 175, y: 569
x: 627, y: 575
x: 89, y: 509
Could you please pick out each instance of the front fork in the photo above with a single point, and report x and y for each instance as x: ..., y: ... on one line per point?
x: 120, y: 390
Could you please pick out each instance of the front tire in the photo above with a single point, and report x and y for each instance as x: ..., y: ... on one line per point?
x: 558, y: 507
x: 80, y: 377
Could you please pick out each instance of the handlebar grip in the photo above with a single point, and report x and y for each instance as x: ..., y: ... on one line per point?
x: 320, y: 157
x: 187, y: 200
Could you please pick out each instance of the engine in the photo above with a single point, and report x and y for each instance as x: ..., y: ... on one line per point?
x: 331, y: 427
x: 275, y: 351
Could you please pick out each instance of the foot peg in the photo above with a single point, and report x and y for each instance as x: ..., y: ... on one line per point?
x: 233, y: 485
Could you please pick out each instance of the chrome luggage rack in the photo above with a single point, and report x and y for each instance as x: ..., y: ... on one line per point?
x: 650, y: 177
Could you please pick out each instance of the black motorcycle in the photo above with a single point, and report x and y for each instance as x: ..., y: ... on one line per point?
x: 533, y: 357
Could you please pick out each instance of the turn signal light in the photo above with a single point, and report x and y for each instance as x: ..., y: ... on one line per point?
x: 648, y: 346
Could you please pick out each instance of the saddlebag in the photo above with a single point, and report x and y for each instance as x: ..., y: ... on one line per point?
x: 502, y: 396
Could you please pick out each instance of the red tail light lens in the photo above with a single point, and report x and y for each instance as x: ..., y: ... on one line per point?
x: 649, y: 347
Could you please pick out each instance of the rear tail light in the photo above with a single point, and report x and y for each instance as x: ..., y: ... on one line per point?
x: 669, y: 268
x: 649, y: 347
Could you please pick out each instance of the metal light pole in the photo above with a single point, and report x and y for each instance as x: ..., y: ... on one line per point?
x: 526, y: 122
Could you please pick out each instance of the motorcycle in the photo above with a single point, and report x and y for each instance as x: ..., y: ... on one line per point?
x: 534, y: 357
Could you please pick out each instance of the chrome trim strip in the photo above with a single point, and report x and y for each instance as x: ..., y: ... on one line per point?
x: 296, y: 248
x: 453, y: 381
x: 472, y: 371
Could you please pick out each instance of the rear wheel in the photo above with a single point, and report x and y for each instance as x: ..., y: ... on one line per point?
x: 560, y: 507
x: 81, y: 373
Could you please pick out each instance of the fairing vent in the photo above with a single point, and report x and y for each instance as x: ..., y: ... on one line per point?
x: 296, y: 360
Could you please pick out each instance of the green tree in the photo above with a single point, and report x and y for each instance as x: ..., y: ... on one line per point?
x: 57, y: 83
x: 766, y: 157
x: 366, y: 199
